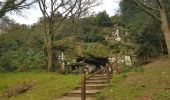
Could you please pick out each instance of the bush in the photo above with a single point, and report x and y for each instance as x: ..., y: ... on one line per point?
x: 21, y: 60
x: 5, y: 64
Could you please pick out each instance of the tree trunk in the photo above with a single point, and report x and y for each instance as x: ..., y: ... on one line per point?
x: 165, y: 26
x: 49, y: 55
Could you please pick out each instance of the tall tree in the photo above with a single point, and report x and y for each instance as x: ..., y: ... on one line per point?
x: 156, y: 9
x: 142, y: 30
x: 14, y: 5
x: 103, y: 19
x: 54, y: 13
x: 83, y: 8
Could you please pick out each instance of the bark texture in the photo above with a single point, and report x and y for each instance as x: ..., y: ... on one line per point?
x: 165, y: 25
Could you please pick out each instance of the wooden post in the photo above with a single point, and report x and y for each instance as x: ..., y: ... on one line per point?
x: 107, y: 73
x: 83, y: 88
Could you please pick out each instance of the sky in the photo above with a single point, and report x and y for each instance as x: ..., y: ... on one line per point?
x: 33, y: 14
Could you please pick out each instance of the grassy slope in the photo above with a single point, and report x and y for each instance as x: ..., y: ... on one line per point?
x: 153, y: 83
x: 47, y: 86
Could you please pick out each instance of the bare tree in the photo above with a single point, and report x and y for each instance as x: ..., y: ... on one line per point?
x: 83, y: 9
x: 156, y: 9
x: 14, y: 5
x: 54, y: 13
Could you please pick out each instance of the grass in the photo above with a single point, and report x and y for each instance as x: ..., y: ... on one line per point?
x: 46, y: 86
x: 152, y: 83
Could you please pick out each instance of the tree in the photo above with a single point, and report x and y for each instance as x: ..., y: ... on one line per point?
x: 64, y: 8
x: 156, y: 9
x: 83, y: 7
x: 103, y: 19
x: 14, y: 5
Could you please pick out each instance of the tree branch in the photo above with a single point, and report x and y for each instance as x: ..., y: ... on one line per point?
x: 11, y: 5
x: 146, y: 9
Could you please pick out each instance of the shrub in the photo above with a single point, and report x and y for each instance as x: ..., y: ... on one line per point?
x: 5, y: 64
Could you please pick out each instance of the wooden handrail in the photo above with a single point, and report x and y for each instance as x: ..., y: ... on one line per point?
x: 94, y: 73
x: 84, y: 78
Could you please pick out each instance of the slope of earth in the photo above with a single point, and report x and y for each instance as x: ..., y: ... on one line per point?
x: 35, y: 85
x: 150, y: 83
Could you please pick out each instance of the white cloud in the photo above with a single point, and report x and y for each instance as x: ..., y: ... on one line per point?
x: 31, y: 16
x: 28, y: 17
x: 111, y: 6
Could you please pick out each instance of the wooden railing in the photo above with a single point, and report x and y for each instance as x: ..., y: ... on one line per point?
x: 104, y: 70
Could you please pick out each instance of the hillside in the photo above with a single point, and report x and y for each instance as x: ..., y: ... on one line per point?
x: 150, y: 83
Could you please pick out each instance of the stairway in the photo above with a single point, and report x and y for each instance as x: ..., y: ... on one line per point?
x: 94, y: 85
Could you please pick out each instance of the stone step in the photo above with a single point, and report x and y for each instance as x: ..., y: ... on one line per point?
x: 76, y: 93
x: 99, y: 75
x: 93, y: 86
x: 97, y: 78
x: 96, y: 81
x: 74, y: 98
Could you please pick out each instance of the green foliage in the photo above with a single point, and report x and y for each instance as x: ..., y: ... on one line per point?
x: 30, y: 60
x: 83, y: 37
x: 5, y: 64
x: 96, y: 49
x: 115, y: 47
x: 93, y: 37
x: 144, y: 30
x: 22, y: 61
x: 21, y: 49
x: 103, y: 19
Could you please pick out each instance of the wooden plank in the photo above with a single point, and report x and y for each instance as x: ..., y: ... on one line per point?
x: 83, y: 88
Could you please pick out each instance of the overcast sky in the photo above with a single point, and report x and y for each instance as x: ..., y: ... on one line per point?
x: 31, y: 16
